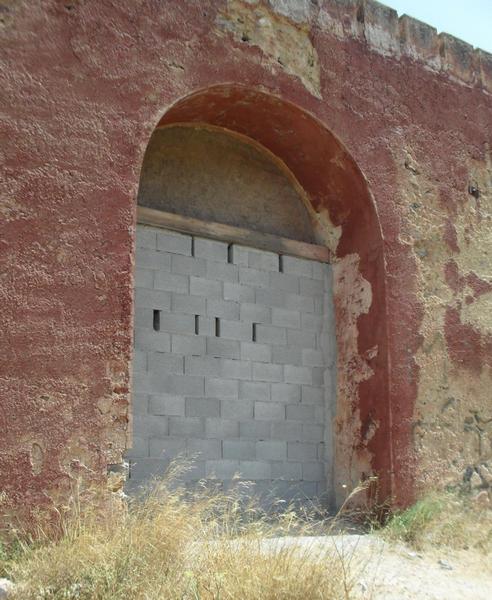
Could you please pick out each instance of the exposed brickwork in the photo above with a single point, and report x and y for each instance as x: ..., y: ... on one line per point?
x: 247, y: 406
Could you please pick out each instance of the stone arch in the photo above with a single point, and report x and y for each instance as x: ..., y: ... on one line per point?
x: 344, y: 219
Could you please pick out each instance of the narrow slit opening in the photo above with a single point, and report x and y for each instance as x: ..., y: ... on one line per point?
x: 253, y: 336
x: 229, y: 253
x: 280, y: 263
x: 192, y: 246
x: 156, y: 320
x: 217, y: 327
x: 197, y: 324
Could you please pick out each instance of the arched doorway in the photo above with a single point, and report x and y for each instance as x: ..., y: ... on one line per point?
x: 326, y: 205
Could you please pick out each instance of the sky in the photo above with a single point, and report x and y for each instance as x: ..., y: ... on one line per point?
x: 469, y: 20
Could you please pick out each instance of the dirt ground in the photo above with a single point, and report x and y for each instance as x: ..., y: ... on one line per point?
x: 384, y: 571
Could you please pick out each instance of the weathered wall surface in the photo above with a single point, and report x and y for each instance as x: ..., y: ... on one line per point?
x: 84, y: 85
x: 203, y: 173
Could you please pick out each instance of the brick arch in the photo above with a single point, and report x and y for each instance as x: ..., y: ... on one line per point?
x: 343, y: 205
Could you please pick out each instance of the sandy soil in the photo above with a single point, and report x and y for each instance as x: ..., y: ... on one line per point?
x: 384, y: 571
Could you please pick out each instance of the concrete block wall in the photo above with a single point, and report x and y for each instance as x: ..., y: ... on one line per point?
x: 233, y: 366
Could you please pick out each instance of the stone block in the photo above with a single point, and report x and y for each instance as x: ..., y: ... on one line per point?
x: 458, y: 58
x: 222, y: 271
x: 263, y: 260
x: 191, y: 345
x: 287, y: 430
x: 267, y: 372
x: 146, y: 339
x: 239, y: 255
x: 152, y: 259
x: 270, y: 297
x: 188, y: 265
x: 254, y: 390
x: 200, y: 286
x: 236, y: 330
x: 302, y: 451
x: 312, y: 358
x: 173, y: 242
x: 146, y: 237
x: 145, y: 468
x: 190, y: 305
x: 223, y: 309
x: 150, y: 425
x: 312, y: 433
x: 255, y: 313
x: 166, y: 362
x: 221, y: 388
x: 292, y: 265
x: 238, y: 450
x: 140, y: 404
x: 211, y: 249
x: 167, y: 447
x: 206, y: 326
x: 186, y: 426
x: 256, y: 351
x: 170, y: 282
x: 258, y: 430
x: 223, y: 348
x: 255, y: 469
x: 419, y: 41
x: 283, y: 317
x: 284, y: 355
x: 254, y: 277
x: 299, y: 302
x: 202, y: 407
x: 177, y: 323
x: 143, y: 317
x: 139, y: 447
x: 302, y: 339
x: 381, y: 28
x: 235, y: 369
x: 139, y: 362
x: 271, y: 450
x: 150, y: 298
x: 269, y: 411
x: 165, y: 404
x: 207, y: 449
x: 236, y: 292
x: 312, y: 395
x: 221, y: 428
x: 312, y: 322
x: 287, y: 471
x: 313, y: 471
x: 238, y: 410
x: 269, y: 334
x: 300, y: 412
x: 293, y: 374
x: 286, y: 392
x: 180, y: 385
x: 285, y: 282
x: 222, y: 469
x: 310, y: 287
x: 144, y: 278
x: 204, y: 366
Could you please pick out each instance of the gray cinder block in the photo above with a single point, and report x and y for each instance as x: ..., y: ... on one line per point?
x: 269, y: 411
x: 240, y: 410
x: 211, y: 249
x: 300, y: 412
x: 283, y: 317
x: 293, y: 374
x: 271, y: 450
x: 165, y: 404
x: 200, y: 286
x: 176, y: 243
x: 256, y: 351
x: 187, y: 426
x: 267, y: 372
x: 223, y: 348
x: 202, y: 407
x: 286, y: 392
x: 301, y: 451
x: 221, y: 388
x: 254, y: 390
x: 271, y: 335
x: 171, y: 282
x: 188, y: 265
x: 192, y: 345
x: 238, y: 450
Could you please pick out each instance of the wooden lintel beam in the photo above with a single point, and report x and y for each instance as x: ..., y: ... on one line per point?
x: 231, y: 234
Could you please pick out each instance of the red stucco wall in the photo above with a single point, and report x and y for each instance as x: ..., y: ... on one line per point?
x: 85, y: 83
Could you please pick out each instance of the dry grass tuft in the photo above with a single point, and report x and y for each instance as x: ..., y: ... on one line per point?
x: 175, y: 545
x: 443, y: 519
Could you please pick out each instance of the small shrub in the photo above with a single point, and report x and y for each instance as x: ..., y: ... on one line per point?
x: 445, y: 519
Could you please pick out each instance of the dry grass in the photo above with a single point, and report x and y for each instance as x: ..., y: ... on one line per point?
x: 443, y: 520
x: 173, y: 545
